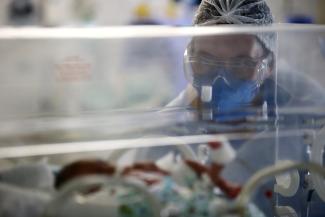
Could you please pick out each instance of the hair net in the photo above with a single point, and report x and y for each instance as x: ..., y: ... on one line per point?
x: 254, y: 12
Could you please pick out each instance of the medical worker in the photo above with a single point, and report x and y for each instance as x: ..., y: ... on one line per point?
x: 234, y: 77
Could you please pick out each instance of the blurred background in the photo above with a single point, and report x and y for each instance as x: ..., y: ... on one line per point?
x: 73, y: 76
x: 124, y: 12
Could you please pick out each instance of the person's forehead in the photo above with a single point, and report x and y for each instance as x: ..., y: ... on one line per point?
x: 228, y: 46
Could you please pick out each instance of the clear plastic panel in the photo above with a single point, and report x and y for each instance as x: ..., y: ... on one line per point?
x: 72, y: 97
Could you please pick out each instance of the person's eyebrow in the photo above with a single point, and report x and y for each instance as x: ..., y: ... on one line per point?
x: 244, y: 56
x: 204, y: 53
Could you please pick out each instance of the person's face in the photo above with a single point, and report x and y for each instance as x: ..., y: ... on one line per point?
x: 239, y: 54
x: 227, y: 72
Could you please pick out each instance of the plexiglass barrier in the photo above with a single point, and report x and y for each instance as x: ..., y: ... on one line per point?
x: 163, y: 121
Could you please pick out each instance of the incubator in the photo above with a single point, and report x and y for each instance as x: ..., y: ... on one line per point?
x: 128, y: 121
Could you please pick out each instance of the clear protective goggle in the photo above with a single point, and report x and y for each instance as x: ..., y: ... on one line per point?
x: 203, y: 70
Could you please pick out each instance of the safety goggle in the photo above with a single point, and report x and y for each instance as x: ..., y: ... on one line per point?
x: 203, y: 70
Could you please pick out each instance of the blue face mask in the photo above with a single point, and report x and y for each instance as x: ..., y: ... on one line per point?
x: 228, y: 99
x: 231, y: 103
